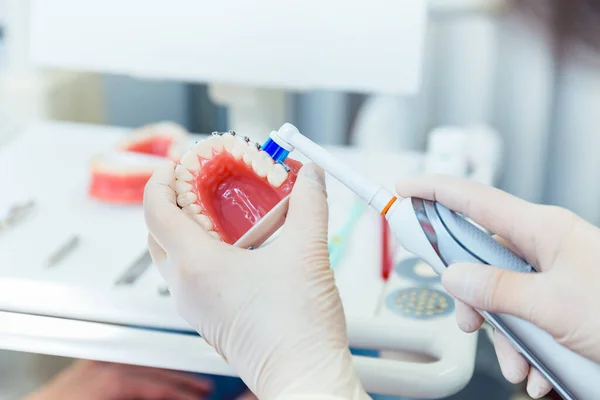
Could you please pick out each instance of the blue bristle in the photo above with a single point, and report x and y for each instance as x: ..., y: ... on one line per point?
x: 277, y: 153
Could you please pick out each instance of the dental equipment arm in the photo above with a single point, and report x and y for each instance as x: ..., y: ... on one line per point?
x: 441, y: 238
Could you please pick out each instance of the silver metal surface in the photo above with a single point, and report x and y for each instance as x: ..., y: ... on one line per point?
x: 420, y: 303
x: 407, y: 268
x: 63, y: 251
x: 477, y: 242
x: 16, y: 214
x: 164, y: 291
x: 135, y: 270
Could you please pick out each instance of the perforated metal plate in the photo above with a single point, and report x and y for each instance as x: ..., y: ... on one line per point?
x: 417, y: 270
x: 420, y: 303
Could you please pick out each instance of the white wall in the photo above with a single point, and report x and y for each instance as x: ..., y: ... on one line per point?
x: 573, y: 166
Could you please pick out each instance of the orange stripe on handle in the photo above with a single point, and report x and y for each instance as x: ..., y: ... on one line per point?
x: 388, y: 205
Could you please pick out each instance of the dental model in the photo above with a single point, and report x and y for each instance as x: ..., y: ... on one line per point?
x: 163, y: 139
x: 228, y: 183
x: 119, y: 176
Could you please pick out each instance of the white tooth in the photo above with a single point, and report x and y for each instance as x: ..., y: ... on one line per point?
x: 277, y: 175
x: 192, y: 209
x: 216, y: 143
x: 204, y: 221
x: 190, y: 161
x: 229, y: 141
x: 262, y: 165
x: 204, y: 149
x: 182, y: 187
x: 186, y: 199
x: 182, y: 173
x: 215, y: 235
x: 239, y: 149
x: 250, y: 153
x: 265, y: 156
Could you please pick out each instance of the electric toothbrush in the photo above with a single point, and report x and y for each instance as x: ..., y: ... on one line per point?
x: 441, y: 237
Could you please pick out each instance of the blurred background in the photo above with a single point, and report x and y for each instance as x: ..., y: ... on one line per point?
x: 509, y: 64
x: 530, y: 70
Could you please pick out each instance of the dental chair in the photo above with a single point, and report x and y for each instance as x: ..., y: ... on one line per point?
x: 402, y: 330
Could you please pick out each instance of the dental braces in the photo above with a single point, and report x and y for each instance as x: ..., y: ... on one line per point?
x: 234, y: 134
x: 248, y: 140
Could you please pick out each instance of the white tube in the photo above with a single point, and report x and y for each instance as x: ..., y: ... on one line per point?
x: 372, y: 193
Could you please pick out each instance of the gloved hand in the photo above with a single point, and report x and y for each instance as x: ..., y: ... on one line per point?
x: 563, y: 247
x: 93, y: 380
x: 273, y: 313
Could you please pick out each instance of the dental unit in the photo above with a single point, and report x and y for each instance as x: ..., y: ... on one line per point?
x: 441, y: 237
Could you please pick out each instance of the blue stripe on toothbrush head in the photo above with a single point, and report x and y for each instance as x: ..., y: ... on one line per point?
x: 276, y: 147
x: 277, y: 153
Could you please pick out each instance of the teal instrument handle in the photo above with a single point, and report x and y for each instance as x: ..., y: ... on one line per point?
x: 338, y: 242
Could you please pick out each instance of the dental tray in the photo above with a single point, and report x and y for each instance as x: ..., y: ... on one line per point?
x: 84, y: 306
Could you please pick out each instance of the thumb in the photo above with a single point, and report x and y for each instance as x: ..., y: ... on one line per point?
x: 495, y: 289
x: 308, y: 212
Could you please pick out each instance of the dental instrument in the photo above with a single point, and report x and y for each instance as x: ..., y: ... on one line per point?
x: 16, y: 214
x: 441, y: 238
x: 63, y: 251
x: 135, y: 270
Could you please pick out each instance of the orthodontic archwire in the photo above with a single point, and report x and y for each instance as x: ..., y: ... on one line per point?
x: 249, y: 141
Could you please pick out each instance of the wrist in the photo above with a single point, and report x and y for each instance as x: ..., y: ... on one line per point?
x: 318, y: 374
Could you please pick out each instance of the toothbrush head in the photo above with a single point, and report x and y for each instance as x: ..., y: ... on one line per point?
x: 278, y: 144
x: 285, y: 136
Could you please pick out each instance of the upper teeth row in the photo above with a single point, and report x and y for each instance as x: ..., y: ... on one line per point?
x: 261, y: 162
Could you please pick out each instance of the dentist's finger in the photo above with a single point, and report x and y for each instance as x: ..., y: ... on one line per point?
x: 495, y: 289
x: 537, y: 385
x: 160, y: 259
x: 170, y: 226
x: 157, y: 253
x: 488, y: 288
x: 467, y: 318
x: 513, y: 366
x: 497, y: 211
x: 308, y: 211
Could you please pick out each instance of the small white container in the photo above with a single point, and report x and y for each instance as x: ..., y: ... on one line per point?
x: 447, y: 151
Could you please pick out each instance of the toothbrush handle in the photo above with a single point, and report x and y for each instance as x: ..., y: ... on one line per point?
x: 455, y: 239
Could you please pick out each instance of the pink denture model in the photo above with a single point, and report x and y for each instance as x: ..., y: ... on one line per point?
x: 119, y: 176
x: 227, y: 184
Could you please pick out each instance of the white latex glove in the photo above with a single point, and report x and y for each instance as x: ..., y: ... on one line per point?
x: 562, y: 299
x: 273, y: 313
